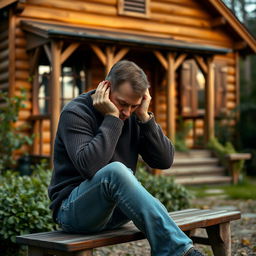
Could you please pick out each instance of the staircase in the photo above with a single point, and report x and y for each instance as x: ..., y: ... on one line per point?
x: 197, y: 167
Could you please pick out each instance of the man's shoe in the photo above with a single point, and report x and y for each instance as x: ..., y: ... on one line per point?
x: 193, y: 252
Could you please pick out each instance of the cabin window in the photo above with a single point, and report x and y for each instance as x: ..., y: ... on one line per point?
x: 138, y: 8
x: 72, y: 84
x: 193, y: 89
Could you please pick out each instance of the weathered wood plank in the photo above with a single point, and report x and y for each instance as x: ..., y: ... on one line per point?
x: 71, y: 242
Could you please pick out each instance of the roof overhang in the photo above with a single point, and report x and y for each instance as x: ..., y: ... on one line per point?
x: 235, y: 24
x: 48, y: 31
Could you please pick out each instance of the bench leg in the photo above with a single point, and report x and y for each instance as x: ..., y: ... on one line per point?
x: 83, y: 253
x: 34, y: 251
x: 220, y: 239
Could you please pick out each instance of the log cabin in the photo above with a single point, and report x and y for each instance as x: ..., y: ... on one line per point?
x: 189, y: 49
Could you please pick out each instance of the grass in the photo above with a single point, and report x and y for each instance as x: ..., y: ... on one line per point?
x: 244, y: 190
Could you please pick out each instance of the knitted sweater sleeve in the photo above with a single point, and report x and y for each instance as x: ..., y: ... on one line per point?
x: 84, y: 145
x: 154, y: 147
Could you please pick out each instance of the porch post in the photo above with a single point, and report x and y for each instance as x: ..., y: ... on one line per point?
x: 55, y: 90
x: 209, y: 93
x: 171, y: 118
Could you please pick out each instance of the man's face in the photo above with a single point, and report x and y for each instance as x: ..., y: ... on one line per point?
x: 125, y: 100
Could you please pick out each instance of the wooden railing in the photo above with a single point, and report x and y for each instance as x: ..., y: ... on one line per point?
x: 37, y: 124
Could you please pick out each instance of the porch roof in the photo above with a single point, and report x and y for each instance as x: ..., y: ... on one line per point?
x: 49, y: 31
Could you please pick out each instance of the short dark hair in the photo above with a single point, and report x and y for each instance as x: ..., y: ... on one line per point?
x: 128, y: 71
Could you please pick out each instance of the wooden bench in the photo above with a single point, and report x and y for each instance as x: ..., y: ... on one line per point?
x: 216, y: 222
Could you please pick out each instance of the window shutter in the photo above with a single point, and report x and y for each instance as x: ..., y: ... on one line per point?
x: 134, y: 7
x: 187, y: 89
x: 220, y: 88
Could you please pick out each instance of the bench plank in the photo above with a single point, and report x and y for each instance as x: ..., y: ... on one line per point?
x: 187, y: 220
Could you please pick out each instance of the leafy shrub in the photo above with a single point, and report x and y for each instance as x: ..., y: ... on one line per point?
x: 222, y: 151
x: 24, y: 203
x: 11, y: 137
x: 172, y: 195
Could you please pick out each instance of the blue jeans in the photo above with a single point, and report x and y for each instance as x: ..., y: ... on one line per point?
x: 112, y: 198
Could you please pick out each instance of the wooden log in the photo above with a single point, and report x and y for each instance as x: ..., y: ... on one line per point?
x: 4, y: 77
x: 4, y: 65
x: 231, y: 96
x: 80, y: 6
x: 231, y: 88
x: 180, y: 20
x: 4, y: 54
x: 4, y: 35
x: 19, y: 84
x: 209, y: 99
x: 11, y: 39
x: 19, y: 32
x: 22, y: 75
x: 231, y: 105
x: 122, y: 23
x: 55, y: 90
x: 20, y: 42
x: 171, y: 98
x: 24, y: 114
x: 174, y: 9
x: 17, y: 92
x: 3, y: 44
x: 22, y: 65
x: 4, y: 86
x: 21, y: 54
x: 231, y: 79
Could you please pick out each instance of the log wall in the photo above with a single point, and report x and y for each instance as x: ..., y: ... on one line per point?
x: 179, y: 19
x: 4, y: 53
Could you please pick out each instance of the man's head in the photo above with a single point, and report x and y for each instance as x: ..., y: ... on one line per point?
x: 128, y: 86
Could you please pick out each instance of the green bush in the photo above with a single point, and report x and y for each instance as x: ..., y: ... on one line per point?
x: 11, y: 137
x: 24, y: 203
x: 172, y: 195
x: 222, y: 151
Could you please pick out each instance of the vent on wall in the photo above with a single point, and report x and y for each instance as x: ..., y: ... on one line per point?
x: 134, y: 7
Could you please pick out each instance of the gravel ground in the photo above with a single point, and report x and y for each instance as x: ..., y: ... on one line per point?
x: 243, y: 231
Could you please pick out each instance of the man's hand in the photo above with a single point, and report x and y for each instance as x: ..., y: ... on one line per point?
x: 102, y: 102
x: 142, y: 110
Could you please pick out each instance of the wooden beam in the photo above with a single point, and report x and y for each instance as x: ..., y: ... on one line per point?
x: 209, y: 99
x: 179, y: 60
x: 68, y: 51
x: 161, y: 59
x: 200, y: 62
x: 34, y: 60
x: 237, y: 83
x: 48, y: 53
x: 100, y: 54
x: 171, y: 118
x: 120, y: 55
x: 55, y: 91
x: 109, y: 58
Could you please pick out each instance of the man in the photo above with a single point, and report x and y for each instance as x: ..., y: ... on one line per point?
x: 99, y: 137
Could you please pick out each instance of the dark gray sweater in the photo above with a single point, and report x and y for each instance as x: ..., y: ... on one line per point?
x: 86, y: 141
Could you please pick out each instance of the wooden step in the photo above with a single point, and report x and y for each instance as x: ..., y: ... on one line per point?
x: 193, y: 154
x: 188, y: 171
x: 195, y: 161
x: 195, y: 180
